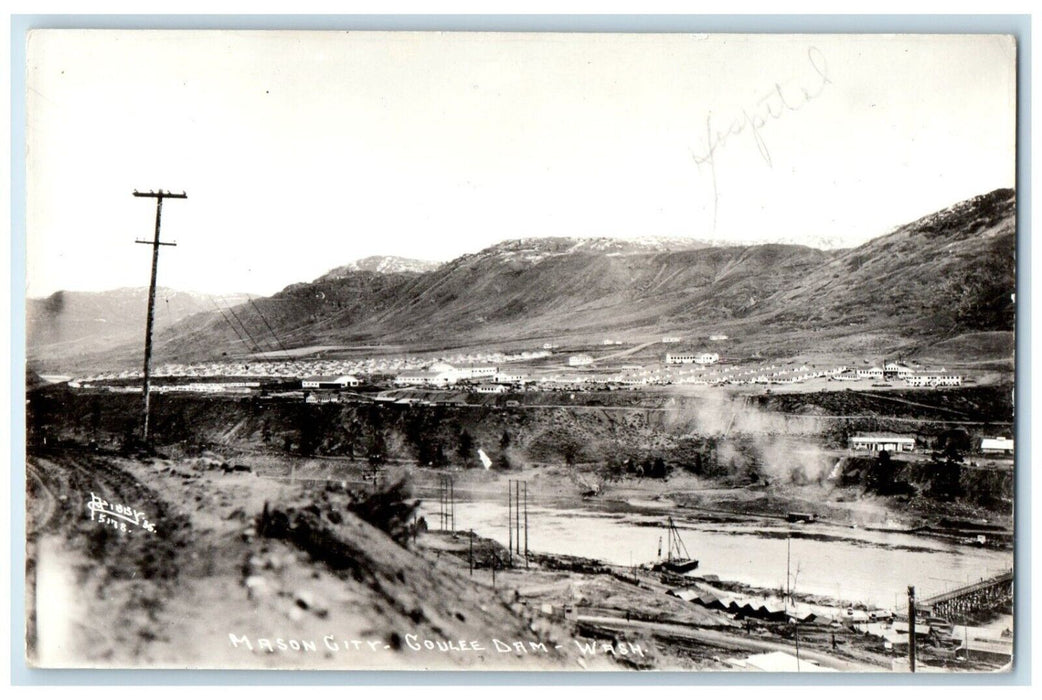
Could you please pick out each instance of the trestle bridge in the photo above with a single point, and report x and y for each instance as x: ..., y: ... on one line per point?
x: 986, y: 594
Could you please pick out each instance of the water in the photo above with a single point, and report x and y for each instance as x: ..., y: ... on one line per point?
x: 847, y: 564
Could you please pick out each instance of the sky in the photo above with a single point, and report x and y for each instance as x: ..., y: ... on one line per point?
x: 303, y: 151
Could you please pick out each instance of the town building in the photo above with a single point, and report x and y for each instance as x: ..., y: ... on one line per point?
x: 425, y: 378
x: 329, y: 382
x: 893, y: 369
x: 996, y: 446
x: 444, y: 374
x: 934, y: 379
x: 718, y: 337
x: 510, y: 378
x: 671, y: 339
x: 491, y: 389
x: 580, y: 360
x: 486, y: 372
x: 878, y: 442
x: 705, y: 358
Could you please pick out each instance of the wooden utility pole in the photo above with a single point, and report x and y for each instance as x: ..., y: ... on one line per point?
x: 159, y: 196
x: 526, y: 524
x: 911, y: 629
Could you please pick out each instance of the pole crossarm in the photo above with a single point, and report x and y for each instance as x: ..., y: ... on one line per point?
x: 161, y: 194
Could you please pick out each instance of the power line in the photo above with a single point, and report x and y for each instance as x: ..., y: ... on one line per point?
x: 228, y: 321
x: 270, y: 329
x: 256, y: 345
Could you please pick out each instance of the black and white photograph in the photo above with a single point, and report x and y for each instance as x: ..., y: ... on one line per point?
x: 520, y: 351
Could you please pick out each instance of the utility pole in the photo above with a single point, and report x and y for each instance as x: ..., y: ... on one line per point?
x: 159, y: 196
x: 788, y: 579
x: 911, y: 629
x: 797, y: 628
x: 526, y: 524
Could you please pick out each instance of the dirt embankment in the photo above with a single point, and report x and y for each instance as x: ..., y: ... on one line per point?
x: 682, y: 430
x: 206, y: 589
x: 753, y: 442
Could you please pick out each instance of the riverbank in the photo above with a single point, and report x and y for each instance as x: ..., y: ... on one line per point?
x: 675, y: 632
x: 711, y: 501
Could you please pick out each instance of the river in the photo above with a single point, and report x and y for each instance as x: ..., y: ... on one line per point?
x: 847, y: 564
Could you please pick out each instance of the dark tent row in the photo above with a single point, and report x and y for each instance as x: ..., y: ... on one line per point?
x: 773, y: 611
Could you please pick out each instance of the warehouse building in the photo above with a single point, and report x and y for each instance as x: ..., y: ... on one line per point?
x: 705, y: 358
x: 329, y: 382
x: 996, y: 446
x: 878, y: 442
x: 934, y: 380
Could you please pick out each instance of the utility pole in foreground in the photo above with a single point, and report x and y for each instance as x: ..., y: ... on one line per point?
x: 911, y: 629
x: 159, y: 196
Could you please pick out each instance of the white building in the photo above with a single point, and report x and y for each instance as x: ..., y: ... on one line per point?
x: 580, y: 360
x: 510, y: 378
x: 705, y: 358
x: 486, y: 372
x: 444, y: 374
x: 877, y: 442
x: 671, y: 339
x: 718, y: 336
x: 492, y: 389
x: 329, y: 382
x: 894, y: 368
x: 871, y: 373
x: 998, y: 445
x: 934, y: 380
x: 427, y: 378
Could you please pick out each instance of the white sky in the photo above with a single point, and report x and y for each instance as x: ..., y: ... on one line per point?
x: 303, y: 151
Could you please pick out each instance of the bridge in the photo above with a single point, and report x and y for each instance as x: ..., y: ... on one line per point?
x: 983, y: 595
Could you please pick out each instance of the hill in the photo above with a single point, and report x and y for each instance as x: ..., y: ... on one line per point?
x: 539, y: 288
x: 924, y: 284
x: 69, y: 323
x: 948, y: 274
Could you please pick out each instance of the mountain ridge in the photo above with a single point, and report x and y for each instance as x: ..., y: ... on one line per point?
x: 933, y: 279
x: 383, y: 264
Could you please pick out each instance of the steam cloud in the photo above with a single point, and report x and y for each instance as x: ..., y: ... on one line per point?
x: 784, y: 447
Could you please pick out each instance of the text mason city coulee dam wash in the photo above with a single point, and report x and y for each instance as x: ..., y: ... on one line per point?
x: 415, y: 643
